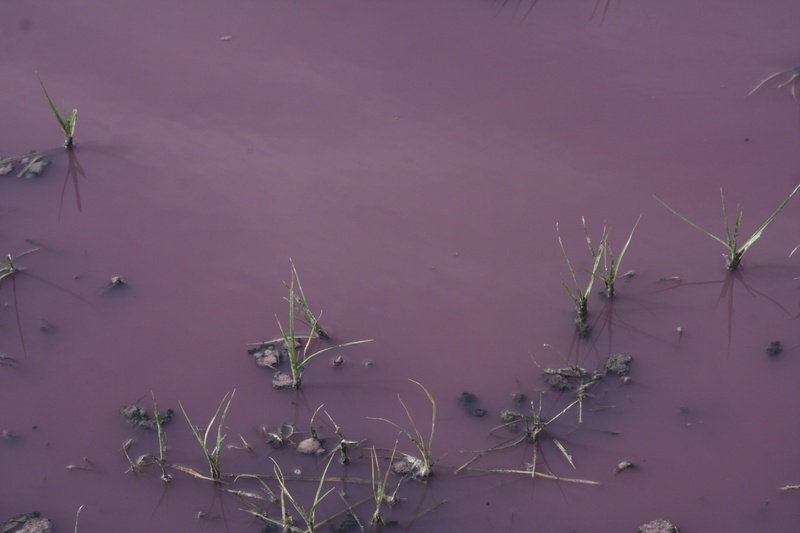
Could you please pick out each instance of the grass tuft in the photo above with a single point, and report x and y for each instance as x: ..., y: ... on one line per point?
x: 212, y: 454
x: 735, y: 251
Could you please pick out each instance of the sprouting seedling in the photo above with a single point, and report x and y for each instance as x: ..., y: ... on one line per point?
x: 420, y: 467
x: 731, y: 240
x: 212, y: 454
x: 611, y: 264
x: 792, y: 80
x: 299, y: 352
x: 68, y: 126
x: 579, y: 295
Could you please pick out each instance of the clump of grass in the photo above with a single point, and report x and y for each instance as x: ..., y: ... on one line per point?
x: 212, y: 454
x: 418, y: 467
x: 67, y: 125
x: 735, y: 251
x: 161, y: 460
x: 610, y: 267
x: 299, y: 347
x: 578, y: 294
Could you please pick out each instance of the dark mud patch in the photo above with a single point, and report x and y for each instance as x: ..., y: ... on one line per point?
x: 137, y: 416
x: 469, y: 403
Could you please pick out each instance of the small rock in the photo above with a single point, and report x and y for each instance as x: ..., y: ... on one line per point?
x: 6, y: 169
x: 468, y: 402
x: 658, y: 526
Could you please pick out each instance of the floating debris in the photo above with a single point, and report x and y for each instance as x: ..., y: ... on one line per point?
x: 6, y: 169
x: 33, y: 167
x: 658, y: 526
x: 624, y: 465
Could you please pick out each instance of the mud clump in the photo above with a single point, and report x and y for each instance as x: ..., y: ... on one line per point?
x: 267, y: 355
x: 619, y: 364
x: 138, y: 416
x: 311, y: 446
x: 281, y: 380
x: 468, y: 402
x: 658, y: 526
x: 28, y: 523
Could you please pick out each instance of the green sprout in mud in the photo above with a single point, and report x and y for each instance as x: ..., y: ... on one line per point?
x: 380, y: 484
x: 578, y: 294
x: 418, y: 467
x: 735, y: 251
x: 298, y: 347
x: 67, y: 125
x: 609, y: 271
x: 212, y: 454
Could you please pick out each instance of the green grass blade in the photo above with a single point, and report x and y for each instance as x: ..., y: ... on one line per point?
x: 53, y: 107
x: 433, y: 412
x: 725, y: 244
x: 755, y: 236
x: 624, y: 248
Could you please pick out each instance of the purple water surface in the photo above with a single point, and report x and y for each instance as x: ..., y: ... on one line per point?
x: 412, y: 158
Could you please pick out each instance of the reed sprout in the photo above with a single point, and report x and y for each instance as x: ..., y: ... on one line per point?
x: 212, y: 454
x: 609, y: 272
x: 418, y: 467
x: 735, y: 251
x: 578, y: 294
x: 68, y: 124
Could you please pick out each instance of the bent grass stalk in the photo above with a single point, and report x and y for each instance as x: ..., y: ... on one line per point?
x: 212, y: 454
x: 735, y: 252
x: 421, y: 467
x: 68, y: 125
x: 9, y: 268
x: 792, y: 80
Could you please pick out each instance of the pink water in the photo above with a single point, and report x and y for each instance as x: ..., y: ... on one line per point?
x: 413, y: 159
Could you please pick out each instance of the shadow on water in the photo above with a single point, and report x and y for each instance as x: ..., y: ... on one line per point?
x: 727, y: 291
x: 74, y: 169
